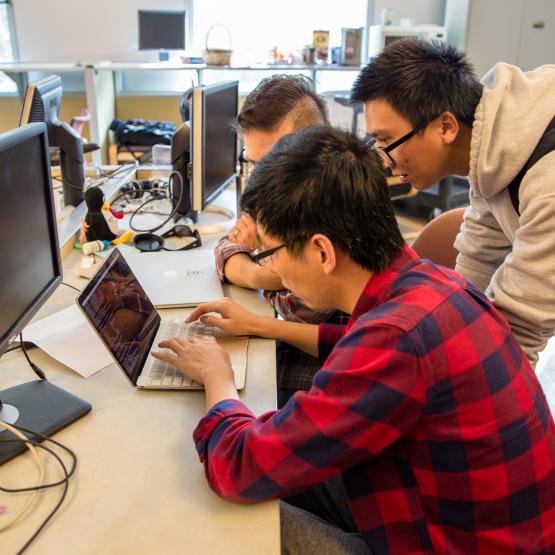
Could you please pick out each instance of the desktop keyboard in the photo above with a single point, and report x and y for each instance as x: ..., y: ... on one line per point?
x: 164, y: 374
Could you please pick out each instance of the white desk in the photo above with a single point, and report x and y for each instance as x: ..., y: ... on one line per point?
x: 139, y: 487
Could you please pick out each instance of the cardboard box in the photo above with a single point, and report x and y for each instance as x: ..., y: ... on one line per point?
x: 321, y: 41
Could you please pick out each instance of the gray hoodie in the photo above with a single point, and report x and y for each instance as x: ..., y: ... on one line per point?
x: 509, y: 257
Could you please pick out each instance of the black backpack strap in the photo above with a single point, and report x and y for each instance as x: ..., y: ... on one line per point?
x: 545, y: 146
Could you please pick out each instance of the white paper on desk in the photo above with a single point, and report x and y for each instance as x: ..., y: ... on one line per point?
x: 69, y: 338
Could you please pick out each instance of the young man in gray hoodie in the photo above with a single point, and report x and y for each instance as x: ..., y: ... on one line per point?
x: 430, y: 117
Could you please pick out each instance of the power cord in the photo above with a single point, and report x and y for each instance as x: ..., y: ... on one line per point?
x: 72, y: 287
x: 171, y: 214
x: 106, y: 176
x: 15, y: 346
x: 23, y: 509
x: 32, y: 445
x: 35, y: 368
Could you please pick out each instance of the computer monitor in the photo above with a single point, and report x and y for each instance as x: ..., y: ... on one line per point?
x: 204, y: 150
x: 30, y: 271
x: 162, y: 30
x: 42, y: 103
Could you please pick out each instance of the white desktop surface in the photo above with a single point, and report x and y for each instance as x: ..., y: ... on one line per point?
x: 139, y: 487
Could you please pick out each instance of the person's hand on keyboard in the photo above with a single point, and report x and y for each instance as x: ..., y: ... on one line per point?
x: 195, y: 359
x: 206, y: 363
x: 233, y: 319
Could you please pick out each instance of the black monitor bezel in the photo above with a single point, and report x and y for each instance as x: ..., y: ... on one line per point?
x: 9, y: 140
x: 161, y: 12
x: 198, y: 115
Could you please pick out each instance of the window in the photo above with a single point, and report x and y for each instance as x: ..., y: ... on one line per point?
x: 246, y: 27
x: 288, y: 26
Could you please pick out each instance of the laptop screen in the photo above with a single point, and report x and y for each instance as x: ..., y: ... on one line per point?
x: 121, y: 313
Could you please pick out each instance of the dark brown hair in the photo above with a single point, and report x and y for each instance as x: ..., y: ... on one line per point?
x: 421, y: 79
x: 325, y: 180
x: 278, y: 97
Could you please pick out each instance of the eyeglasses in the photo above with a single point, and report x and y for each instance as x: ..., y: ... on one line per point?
x: 383, y: 151
x: 247, y: 166
x: 150, y: 242
x: 265, y: 254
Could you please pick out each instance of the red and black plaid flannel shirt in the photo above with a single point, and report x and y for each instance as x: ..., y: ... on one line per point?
x: 430, y: 410
x: 295, y: 368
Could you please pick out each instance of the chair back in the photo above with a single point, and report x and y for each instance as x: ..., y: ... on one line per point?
x: 436, y: 240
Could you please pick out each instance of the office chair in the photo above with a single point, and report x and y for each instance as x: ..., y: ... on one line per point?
x: 436, y: 240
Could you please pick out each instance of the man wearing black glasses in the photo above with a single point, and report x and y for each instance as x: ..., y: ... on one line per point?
x: 429, y: 117
x: 424, y: 407
x: 279, y: 105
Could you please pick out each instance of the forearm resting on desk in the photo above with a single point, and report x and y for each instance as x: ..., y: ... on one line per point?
x: 240, y: 270
x: 236, y: 320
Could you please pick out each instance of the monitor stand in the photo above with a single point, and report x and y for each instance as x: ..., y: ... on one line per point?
x: 40, y: 406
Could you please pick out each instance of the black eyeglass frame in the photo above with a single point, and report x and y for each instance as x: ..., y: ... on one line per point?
x: 265, y: 254
x: 383, y: 151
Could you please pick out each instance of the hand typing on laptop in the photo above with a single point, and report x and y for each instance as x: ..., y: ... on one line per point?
x: 208, y: 363
x: 236, y: 320
x: 204, y: 362
x: 232, y: 319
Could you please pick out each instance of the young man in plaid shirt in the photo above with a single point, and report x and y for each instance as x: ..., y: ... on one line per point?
x: 425, y: 405
x: 279, y: 105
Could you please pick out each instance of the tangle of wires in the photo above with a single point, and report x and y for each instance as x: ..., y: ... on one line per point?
x: 155, y: 196
x: 32, y: 445
x: 41, y: 484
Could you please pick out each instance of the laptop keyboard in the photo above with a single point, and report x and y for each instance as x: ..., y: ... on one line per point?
x: 167, y: 376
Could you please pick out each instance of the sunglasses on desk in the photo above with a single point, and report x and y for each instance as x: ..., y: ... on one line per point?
x: 150, y: 242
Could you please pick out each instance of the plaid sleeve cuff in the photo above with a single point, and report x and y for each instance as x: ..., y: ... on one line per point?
x: 293, y: 309
x: 215, y: 416
x: 328, y: 336
x: 223, y: 250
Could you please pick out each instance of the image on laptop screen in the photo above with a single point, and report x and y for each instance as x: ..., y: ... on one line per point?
x: 121, y: 313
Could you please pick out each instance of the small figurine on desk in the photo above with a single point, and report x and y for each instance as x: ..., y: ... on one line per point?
x: 101, y: 222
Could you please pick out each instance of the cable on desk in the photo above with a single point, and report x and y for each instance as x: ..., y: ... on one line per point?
x: 68, y: 285
x: 105, y: 175
x: 14, y: 346
x: 23, y: 509
x: 31, y: 444
x: 170, y: 215
x: 35, y: 368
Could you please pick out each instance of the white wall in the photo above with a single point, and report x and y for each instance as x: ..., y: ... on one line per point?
x: 81, y: 30
x: 420, y: 11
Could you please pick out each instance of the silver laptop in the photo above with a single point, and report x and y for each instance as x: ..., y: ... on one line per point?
x: 174, y: 279
x: 126, y: 321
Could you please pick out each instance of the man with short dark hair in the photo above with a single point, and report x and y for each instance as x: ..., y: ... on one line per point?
x: 430, y: 117
x: 425, y: 404
x: 279, y: 105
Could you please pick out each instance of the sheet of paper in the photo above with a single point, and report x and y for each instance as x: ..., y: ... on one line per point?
x: 69, y: 338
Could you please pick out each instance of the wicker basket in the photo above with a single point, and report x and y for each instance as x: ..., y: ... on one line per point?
x: 217, y: 56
